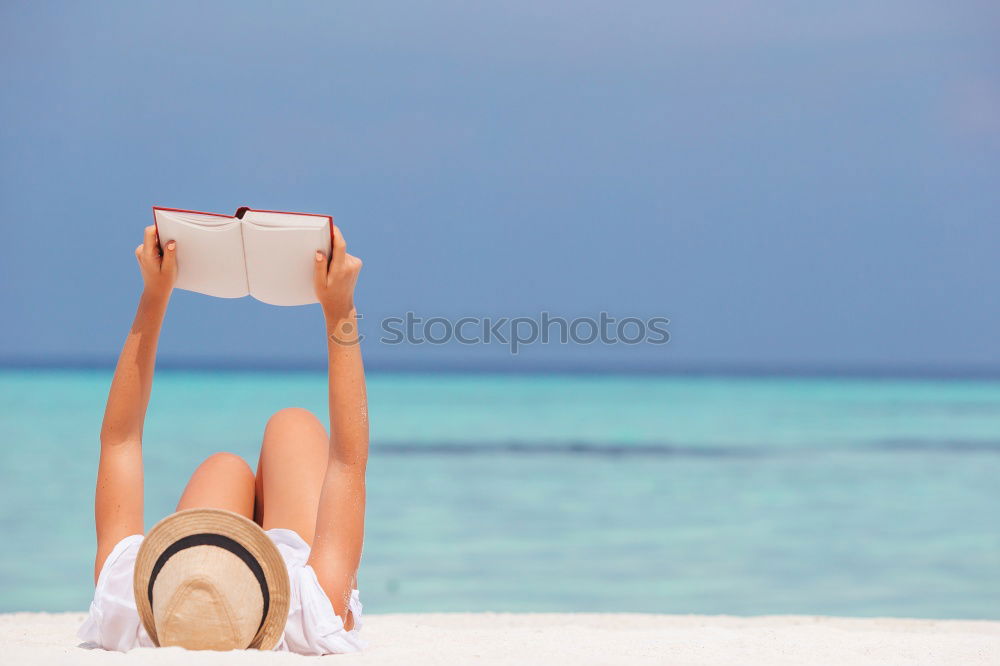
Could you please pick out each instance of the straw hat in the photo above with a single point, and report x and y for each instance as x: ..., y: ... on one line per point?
x: 208, y: 579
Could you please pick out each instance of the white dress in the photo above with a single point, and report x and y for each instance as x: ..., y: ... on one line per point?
x: 312, y: 628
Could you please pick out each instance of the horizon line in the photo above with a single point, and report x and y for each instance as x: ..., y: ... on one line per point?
x: 718, y: 369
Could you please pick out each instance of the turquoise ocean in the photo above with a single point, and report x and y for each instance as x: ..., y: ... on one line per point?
x: 860, y: 497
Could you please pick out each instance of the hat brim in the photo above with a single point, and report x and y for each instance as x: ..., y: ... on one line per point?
x: 228, y: 524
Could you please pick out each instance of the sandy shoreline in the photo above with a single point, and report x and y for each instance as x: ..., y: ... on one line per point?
x: 486, y: 638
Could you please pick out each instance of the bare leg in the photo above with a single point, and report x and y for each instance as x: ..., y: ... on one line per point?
x: 290, y: 473
x: 223, y: 481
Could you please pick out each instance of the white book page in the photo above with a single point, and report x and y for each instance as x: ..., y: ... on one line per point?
x: 280, y: 253
x: 209, y: 252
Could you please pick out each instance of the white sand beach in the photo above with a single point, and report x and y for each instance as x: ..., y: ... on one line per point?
x: 487, y: 638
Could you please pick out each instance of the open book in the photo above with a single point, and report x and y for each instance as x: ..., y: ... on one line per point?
x: 266, y: 254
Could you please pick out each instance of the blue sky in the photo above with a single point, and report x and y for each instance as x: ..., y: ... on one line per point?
x: 792, y: 185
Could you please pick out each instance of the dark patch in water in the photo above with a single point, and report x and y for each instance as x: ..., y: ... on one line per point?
x: 940, y: 445
x: 568, y: 448
x: 611, y: 450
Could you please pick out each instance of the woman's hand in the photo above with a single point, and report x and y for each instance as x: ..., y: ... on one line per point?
x: 334, y: 281
x: 159, y: 269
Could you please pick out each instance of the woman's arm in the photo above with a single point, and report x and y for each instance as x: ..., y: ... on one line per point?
x: 118, y: 503
x: 340, y: 520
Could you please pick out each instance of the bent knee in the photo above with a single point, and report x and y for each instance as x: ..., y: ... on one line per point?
x: 228, y: 463
x: 293, y: 417
x: 294, y: 430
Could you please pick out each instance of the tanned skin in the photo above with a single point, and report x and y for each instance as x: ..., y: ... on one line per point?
x: 305, y: 481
